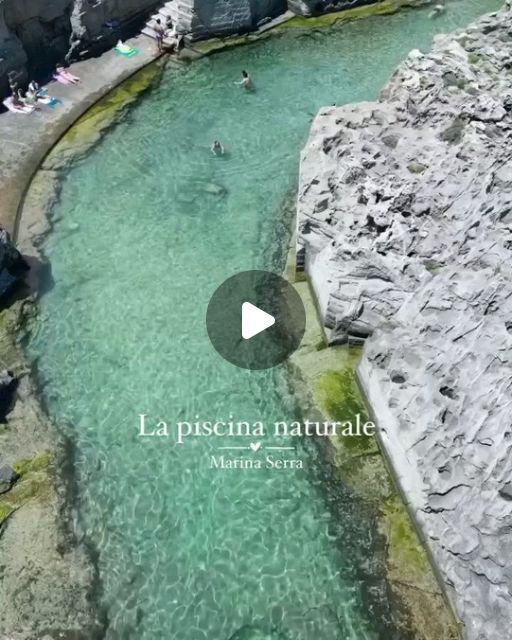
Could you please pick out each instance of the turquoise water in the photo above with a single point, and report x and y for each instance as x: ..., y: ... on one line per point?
x: 147, y: 226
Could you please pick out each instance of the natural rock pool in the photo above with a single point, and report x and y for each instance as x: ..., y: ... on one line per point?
x: 147, y: 226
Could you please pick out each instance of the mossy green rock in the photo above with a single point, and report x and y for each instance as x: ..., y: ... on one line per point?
x: 34, y: 483
x: 39, y: 462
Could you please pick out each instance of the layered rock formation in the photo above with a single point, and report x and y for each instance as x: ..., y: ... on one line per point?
x: 204, y: 18
x: 405, y: 220
x: 36, y: 34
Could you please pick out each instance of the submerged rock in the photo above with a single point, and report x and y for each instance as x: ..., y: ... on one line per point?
x: 215, y: 189
x: 405, y: 227
x: 253, y: 632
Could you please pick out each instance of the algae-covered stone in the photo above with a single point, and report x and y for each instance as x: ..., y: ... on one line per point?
x: 8, y: 477
x: 39, y: 462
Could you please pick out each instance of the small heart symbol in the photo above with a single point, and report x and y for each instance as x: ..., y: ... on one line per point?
x: 255, y: 445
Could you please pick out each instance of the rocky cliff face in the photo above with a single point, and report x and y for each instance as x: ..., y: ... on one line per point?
x: 36, y: 34
x: 204, y: 18
x: 405, y: 218
x: 32, y: 33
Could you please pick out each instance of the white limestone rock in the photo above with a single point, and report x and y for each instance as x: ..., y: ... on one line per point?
x: 405, y: 218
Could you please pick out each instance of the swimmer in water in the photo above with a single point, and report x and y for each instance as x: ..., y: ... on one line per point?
x: 246, y: 81
x: 438, y: 10
x: 217, y: 148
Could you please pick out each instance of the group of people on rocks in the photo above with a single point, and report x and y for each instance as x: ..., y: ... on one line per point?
x: 168, y: 33
x: 26, y: 102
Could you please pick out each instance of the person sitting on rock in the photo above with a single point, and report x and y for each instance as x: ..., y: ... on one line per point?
x: 30, y: 97
x: 17, y: 100
x: 12, y: 82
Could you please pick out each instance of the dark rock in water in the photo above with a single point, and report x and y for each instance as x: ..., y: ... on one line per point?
x: 252, y: 632
x: 7, y: 478
x: 7, y: 388
x: 12, y: 264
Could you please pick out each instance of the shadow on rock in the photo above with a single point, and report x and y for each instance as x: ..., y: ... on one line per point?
x: 8, y: 386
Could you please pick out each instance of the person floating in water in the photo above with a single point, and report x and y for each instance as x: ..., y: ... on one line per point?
x: 217, y: 148
x: 438, y: 10
x: 246, y: 81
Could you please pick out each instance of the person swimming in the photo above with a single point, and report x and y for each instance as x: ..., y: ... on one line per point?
x: 438, y: 10
x: 246, y: 81
x: 217, y: 148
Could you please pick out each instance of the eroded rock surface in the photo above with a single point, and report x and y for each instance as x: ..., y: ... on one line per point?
x: 47, y: 578
x: 36, y: 34
x: 405, y: 218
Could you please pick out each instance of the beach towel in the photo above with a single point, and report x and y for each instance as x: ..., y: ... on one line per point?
x: 26, y: 108
x: 125, y: 50
x: 49, y: 101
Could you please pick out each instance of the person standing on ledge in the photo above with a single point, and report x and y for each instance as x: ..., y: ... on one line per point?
x: 246, y: 81
x: 159, y: 32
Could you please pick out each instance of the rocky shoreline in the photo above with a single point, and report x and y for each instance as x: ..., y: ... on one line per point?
x: 326, y: 387
x: 48, y: 588
x: 42, y: 460
x: 404, y: 223
x: 48, y: 577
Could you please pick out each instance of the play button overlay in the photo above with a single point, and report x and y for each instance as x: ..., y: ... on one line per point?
x: 255, y: 319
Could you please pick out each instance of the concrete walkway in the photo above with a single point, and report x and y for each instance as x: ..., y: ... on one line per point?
x: 25, y: 139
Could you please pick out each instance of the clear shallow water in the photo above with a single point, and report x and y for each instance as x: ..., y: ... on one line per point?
x: 139, y: 246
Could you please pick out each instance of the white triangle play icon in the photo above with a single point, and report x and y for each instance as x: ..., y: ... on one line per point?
x: 254, y: 320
